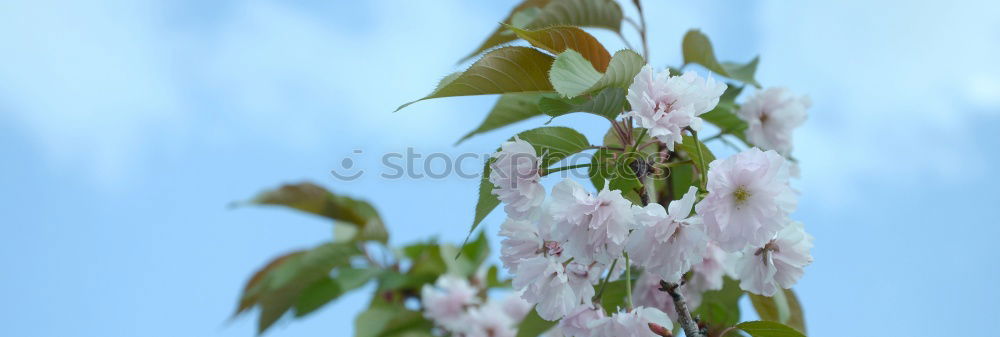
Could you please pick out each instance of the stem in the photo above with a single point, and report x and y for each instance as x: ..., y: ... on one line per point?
x: 628, y: 282
x: 642, y: 135
x: 604, y: 283
x: 642, y: 32
x: 683, y: 314
x: 701, y: 158
x: 643, y: 146
x: 613, y: 148
x: 674, y: 164
x: 627, y: 44
x: 562, y: 168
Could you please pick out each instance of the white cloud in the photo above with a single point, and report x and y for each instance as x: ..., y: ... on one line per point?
x: 888, y: 89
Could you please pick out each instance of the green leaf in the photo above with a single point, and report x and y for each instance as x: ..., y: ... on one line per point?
x: 315, y: 199
x: 280, y: 284
x: 500, y: 71
x: 609, y: 103
x: 509, y: 109
x: 557, y: 39
x: 317, y: 295
x: 572, y: 75
x: 493, y: 279
x: 552, y: 143
x: 768, y: 309
x: 535, y: 14
x: 477, y: 251
x: 613, y: 297
x: 697, y: 48
x: 720, y: 308
x: 384, y: 321
x: 582, y: 13
x: 533, y: 325
x: 487, y: 200
x: 520, y: 16
x: 768, y: 329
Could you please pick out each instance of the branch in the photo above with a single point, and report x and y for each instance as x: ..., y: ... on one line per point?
x: 683, y: 314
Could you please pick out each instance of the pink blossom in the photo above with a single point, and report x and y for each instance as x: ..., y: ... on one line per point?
x: 667, y: 104
x: 748, y: 200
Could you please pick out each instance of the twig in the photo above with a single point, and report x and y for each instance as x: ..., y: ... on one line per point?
x: 683, y: 314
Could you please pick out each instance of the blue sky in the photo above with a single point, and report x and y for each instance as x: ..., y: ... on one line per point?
x: 128, y: 126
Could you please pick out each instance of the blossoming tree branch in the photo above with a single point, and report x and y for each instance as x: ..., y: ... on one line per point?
x: 663, y: 239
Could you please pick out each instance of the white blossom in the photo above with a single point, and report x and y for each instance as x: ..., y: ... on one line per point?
x: 772, y: 115
x: 635, y: 323
x: 489, y: 320
x: 667, y: 104
x: 446, y: 301
x: 748, y: 199
x: 545, y: 283
x: 515, y: 177
x: 515, y: 306
x: 668, y: 242
x: 522, y: 240
x: 708, y: 275
x: 763, y: 270
x: 576, y: 323
x: 594, y: 228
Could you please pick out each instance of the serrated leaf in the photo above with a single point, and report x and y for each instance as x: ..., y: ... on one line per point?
x: 520, y: 16
x: 697, y: 48
x: 535, y: 14
x: 533, y: 325
x: 487, y: 201
x: 609, y: 103
x: 572, y: 75
x: 557, y: 39
x: 551, y: 143
x: 581, y: 13
x: 500, y: 71
x: 509, y: 109
x: 768, y: 329
x: 315, y: 199
x: 767, y: 309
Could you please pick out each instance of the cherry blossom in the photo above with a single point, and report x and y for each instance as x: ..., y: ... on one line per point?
x: 521, y: 241
x: 446, y: 301
x: 748, y: 199
x: 489, y: 320
x: 545, y: 283
x: 668, y: 242
x: 667, y: 104
x: 772, y: 115
x: 777, y: 264
x: 635, y: 323
x: 515, y: 175
x: 576, y: 323
x: 708, y: 275
x: 593, y: 227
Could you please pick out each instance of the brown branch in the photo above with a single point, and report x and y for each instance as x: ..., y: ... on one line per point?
x: 683, y: 314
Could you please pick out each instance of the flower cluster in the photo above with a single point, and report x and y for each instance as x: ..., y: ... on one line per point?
x: 561, y: 246
x: 455, y: 306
